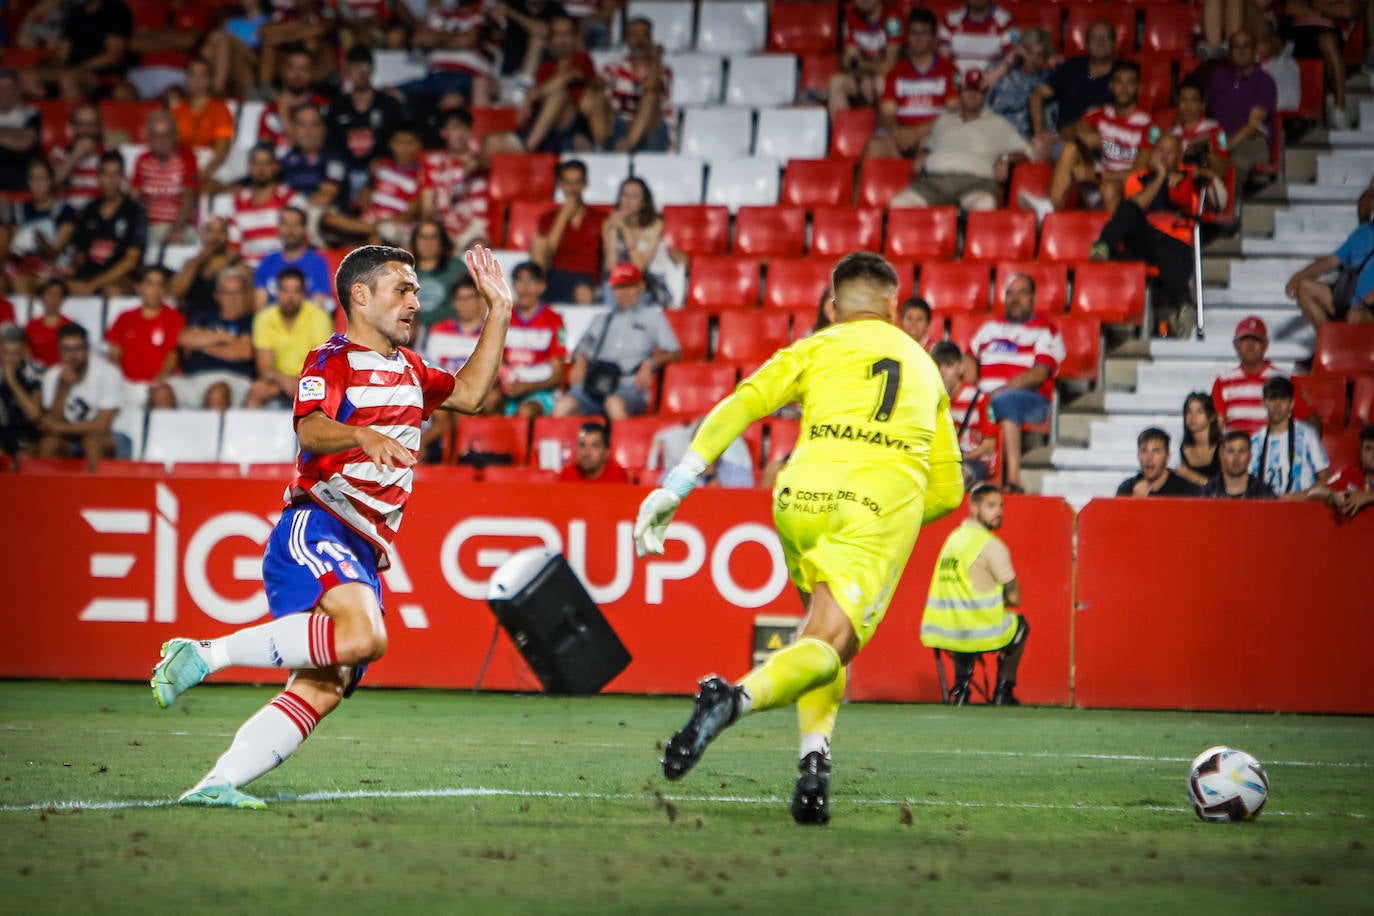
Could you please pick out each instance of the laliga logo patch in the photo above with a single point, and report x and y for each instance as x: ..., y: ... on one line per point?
x: 311, y: 388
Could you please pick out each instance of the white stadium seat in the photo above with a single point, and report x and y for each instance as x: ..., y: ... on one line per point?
x: 182, y: 434
x: 717, y: 132
x: 762, y: 81
x: 733, y: 27
x: 87, y: 311
x: 258, y: 437
x: 118, y: 305
x: 129, y: 421
x: 672, y: 19
x: 696, y: 79
x: 751, y: 181
x: 793, y: 133
x: 392, y: 68
x: 605, y: 172
x: 673, y: 179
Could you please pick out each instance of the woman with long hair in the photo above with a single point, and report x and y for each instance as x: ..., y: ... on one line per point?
x: 436, y: 268
x: 633, y: 234
x: 1199, y: 454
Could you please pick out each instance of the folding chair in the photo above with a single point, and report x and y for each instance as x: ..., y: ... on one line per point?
x: 978, y: 682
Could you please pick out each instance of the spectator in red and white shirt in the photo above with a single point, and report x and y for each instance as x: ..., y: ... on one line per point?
x: 560, y: 90
x: 76, y: 167
x: 453, y: 186
x: 254, y: 207
x: 921, y: 87
x: 871, y: 35
x: 1353, y: 488
x: 449, y: 343
x: 633, y: 115
x: 532, y: 369
x: 976, y: 36
x: 167, y: 183
x: 1239, y: 392
x: 390, y: 204
x: 1110, y: 142
x: 968, y: 407
x: 1203, y: 139
x: 1015, y: 360
x: 274, y: 124
x: 143, y: 341
x: 463, y: 56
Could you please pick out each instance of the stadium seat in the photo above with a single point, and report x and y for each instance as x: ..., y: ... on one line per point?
x: 928, y: 233
x: 444, y: 473
x: 522, y: 225
x: 733, y: 28
x: 1326, y: 394
x: 691, y: 389
x: 54, y: 466
x: 697, y: 229
x: 280, y: 471
x: 1083, y: 15
x: 692, y: 330
x: 519, y: 476
x: 1067, y: 235
x: 1169, y: 30
x: 776, y: 231
x: 182, y: 434
x: 485, y: 436
x: 55, y: 120
x: 605, y: 172
x: 1030, y: 178
x: 521, y: 175
x: 1362, y: 402
x: 813, y: 183
x: 131, y: 423
x: 752, y: 180
x: 697, y: 79
x: 796, y: 283
x: 1342, y: 448
x: 1110, y: 291
x: 906, y: 276
x: 392, y: 68
x: 954, y: 286
x: 674, y: 179
x: 1029, y: 14
x: 1156, y: 83
x: 717, y: 132
x: 118, y: 305
x: 962, y: 327
x: 556, y: 434
x: 816, y: 70
x: 850, y: 131
x: 1344, y: 349
x: 632, y: 439
x: 751, y: 334
x: 719, y: 282
x: 89, y: 312
x: 838, y: 230
x: 788, y: 133
x: 804, y: 26
x: 1051, y: 285
x: 672, y: 20
x: 991, y: 235
x: 780, y: 441
x: 493, y: 119
x: 258, y: 437
x: 762, y: 81
x: 127, y: 120
x: 1082, y: 349
x: 880, y: 179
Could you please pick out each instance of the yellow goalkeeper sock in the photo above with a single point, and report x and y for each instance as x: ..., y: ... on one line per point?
x: 788, y: 673
x: 816, y: 712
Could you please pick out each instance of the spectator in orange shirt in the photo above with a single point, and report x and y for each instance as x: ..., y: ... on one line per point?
x: 204, y: 123
x: 593, y: 463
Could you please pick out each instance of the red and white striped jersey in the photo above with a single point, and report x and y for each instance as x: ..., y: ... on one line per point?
x: 1123, y: 136
x: 391, y: 395
x: 462, y: 19
x: 274, y: 129
x: 1239, y: 398
x: 448, y: 346
x: 1206, y: 133
x: 394, y: 189
x: 976, y: 44
x: 979, y: 426
x: 921, y: 96
x: 625, y: 83
x: 532, y: 344
x: 160, y: 184
x: 872, y: 38
x: 1005, y: 349
x: 460, y: 197
x: 83, y: 184
x: 253, y: 223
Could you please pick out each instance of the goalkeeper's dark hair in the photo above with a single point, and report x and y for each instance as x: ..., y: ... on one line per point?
x: 863, y: 266
x: 365, y: 265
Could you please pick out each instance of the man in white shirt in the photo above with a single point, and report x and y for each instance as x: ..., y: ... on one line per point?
x: 80, y: 399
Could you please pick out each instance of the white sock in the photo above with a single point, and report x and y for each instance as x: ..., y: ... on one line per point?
x: 295, y: 641
x: 264, y: 741
x: 815, y: 742
x: 746, y: 702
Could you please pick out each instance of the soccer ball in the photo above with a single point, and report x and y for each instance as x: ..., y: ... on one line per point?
x: 1226, y: 785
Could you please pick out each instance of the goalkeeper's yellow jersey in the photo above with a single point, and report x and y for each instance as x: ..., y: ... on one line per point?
x: 869, y: 394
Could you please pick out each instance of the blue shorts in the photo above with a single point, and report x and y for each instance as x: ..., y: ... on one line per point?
x: 1019, y: 405
x: 636, y: 401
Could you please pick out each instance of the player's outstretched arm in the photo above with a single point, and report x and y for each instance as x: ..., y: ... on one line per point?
x: 474, y: 380
x: 320, y: 435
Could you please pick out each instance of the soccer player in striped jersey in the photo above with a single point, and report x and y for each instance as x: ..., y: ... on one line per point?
x: 359, y: 404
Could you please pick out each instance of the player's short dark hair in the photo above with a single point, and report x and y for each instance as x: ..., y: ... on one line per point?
x: 567, y: 164
x: 528, y: 269
x: 73, y: 330
x: 915, y: 303
x: 946, y: 353
x: 1123, y: 66
x: 982, y: 491
x: 1277, y: 387
x: 863, y: 265
x: 596, y: 426
x: 291, y: 273
x: 112, y: 156
x: 1235, y: 434
x: 365, y: 265
x: 1153, y: 434
x: 459, y: 114
x: 1367, y: 433
x: 924, y: 17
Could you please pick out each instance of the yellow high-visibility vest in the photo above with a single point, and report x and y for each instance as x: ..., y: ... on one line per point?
x: 957, y: 617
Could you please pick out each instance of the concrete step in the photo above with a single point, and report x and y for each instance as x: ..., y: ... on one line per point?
x: 1345, y: 139
x: 1346, y: 167
x: 1104, y: 432
x: 1218, y: 346
x: 1119, y: 460
x: 1264, y: 276
x: 1078, y: 487
x: 1286, y: 326
x: 1334, y: 192
x: 1309, y: 247
x: 1254, y: 302
x: 1150, y: 400
x: 1326, y: 220
x: 1156, y: 375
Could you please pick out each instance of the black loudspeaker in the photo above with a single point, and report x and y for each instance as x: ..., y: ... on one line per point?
x: 546, y: 611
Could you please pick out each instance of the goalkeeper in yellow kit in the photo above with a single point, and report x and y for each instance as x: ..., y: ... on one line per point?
x: 877, y: 457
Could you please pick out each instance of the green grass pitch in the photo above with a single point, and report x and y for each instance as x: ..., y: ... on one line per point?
x: 444, y: 802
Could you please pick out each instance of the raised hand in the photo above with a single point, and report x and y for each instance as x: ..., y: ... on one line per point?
x: 491, y: 282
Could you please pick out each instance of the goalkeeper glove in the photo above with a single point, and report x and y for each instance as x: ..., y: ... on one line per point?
x: 658, y: 508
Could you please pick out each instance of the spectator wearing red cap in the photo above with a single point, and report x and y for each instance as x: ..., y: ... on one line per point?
x: 967, y: 156
x: 1238, y: 392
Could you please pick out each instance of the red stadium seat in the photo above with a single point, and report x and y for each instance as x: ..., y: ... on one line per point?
x: 879, y: 179
x: 802, y: 27
x: 632, y: 439
x: 1082, y: 15
x: 129, y: 119
x: 850, y: 131
x: 928, y: 233
x: 1362, y: 404
x: 723, y: 282
x: 282, y: 471
x: 493, y: 436
x: 812, y: 183
x: 56, y: 122
x: 962, y: 327
x: 906, y: 276
x: 992, y: 235
x: 1029, y: 14
x: 1082, y: 349
x: 1342, y: 449
x: 1111, y: 291
x: 1032, y: 178
x: 519, y: 476
x: 691, y: 389
x: 522, y: 225
x: 1169, y: 30
x: 746, y: 335
x: 1156, y: 83
x: 494, y: 120
x: 796, y: 283
x: 781, y: 440
x: 1067, y: 235
x: 693, y: 332
x: 955, y: 286
x: 776, y: 231
x: 54, y: 466
x: 803, y: 318
x: 816, y: 70
x: 521, y: 175
x: 1051, y: 285
x: 697, y: 229
x: 1344, y: 349
x: 444, y: 473
x: 156, y: 470
x: 1326, y: 394
x: 556, y: 432
x: 836, y: 231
